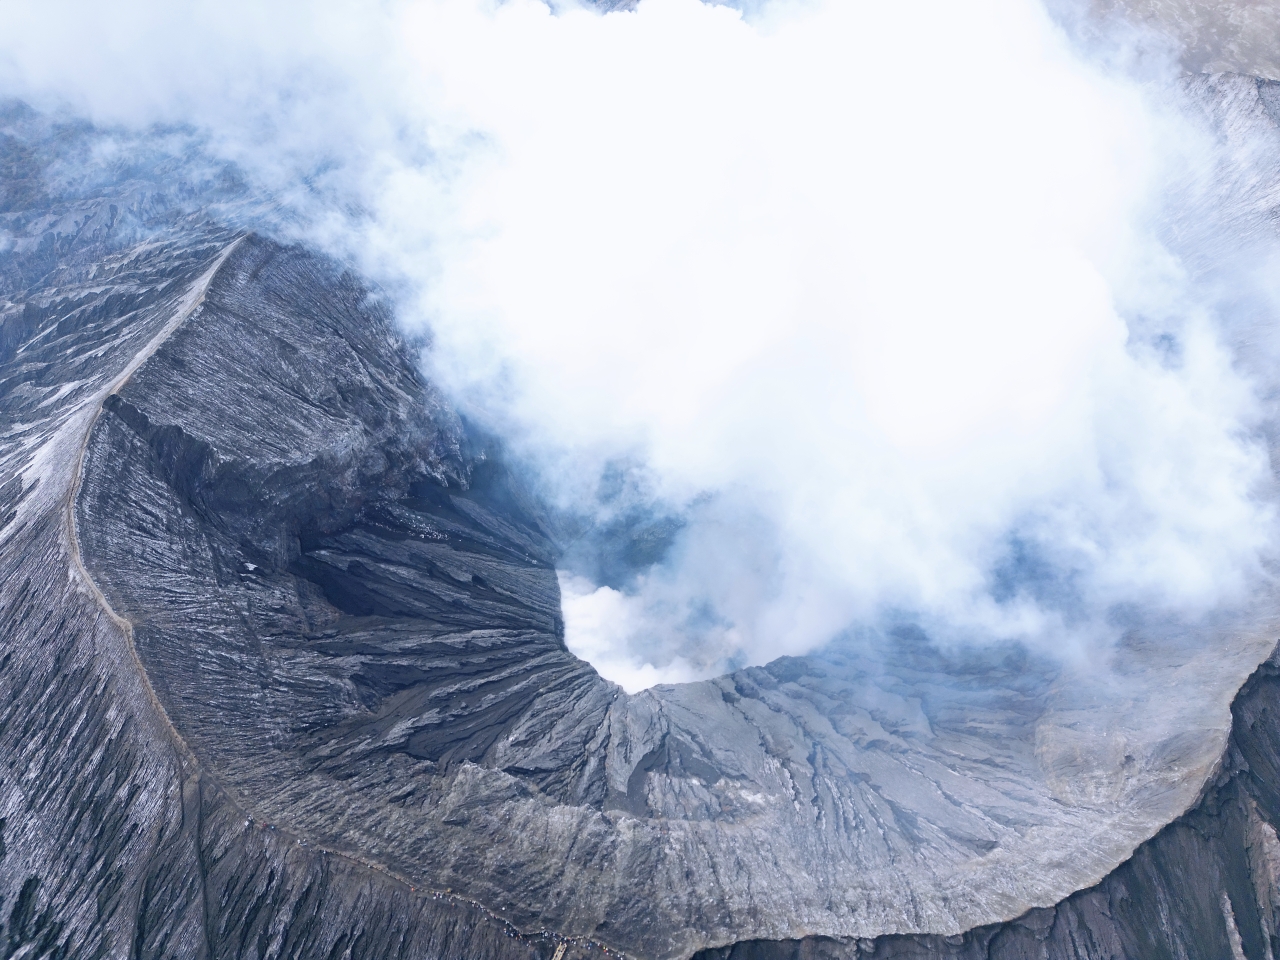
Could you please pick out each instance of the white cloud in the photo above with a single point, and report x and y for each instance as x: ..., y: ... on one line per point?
x: 882, y: 295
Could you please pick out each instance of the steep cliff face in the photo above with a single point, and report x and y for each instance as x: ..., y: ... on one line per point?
x: 283, y: 675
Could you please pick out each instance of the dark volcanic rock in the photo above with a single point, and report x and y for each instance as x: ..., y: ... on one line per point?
x: 113, y: 841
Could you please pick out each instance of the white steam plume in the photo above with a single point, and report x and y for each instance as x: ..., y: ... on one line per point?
x: 895, y: 311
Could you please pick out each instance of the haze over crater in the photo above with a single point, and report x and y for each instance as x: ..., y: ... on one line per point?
x: 902, y: 380
x: 848, y: 314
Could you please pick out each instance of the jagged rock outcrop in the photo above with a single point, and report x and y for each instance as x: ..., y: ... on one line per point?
x: 283, y: 674
x: 113, y: 840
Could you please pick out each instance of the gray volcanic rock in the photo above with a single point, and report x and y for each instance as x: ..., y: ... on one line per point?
x: 1208, y: 885
x: 113, y: 841
x: 283, y: 673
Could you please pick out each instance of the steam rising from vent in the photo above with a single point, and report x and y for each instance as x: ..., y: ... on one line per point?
x: 818, y: 320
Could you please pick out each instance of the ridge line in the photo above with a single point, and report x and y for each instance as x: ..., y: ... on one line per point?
x: 187, y: 307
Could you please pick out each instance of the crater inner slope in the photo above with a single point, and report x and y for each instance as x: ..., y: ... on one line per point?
x: 349, y: 612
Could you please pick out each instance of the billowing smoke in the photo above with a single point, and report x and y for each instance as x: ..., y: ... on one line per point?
x: 813, y: 320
